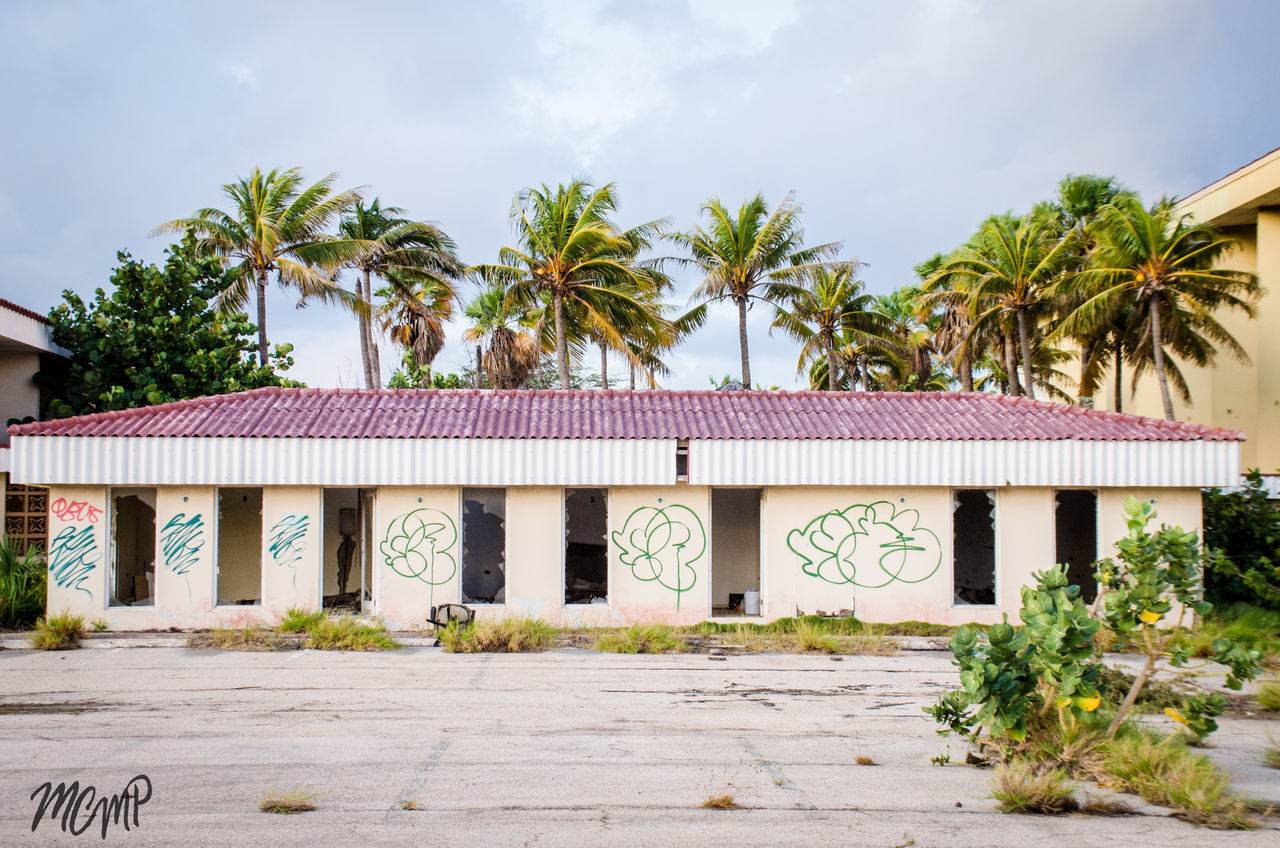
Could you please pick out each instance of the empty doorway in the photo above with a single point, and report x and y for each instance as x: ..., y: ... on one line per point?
x: 735, y: 552
x: 239, y: 546
x: 343, y: 577
x: 484, y: 546
x: 1075, y: 513
x: 586, y: 554
x: 973, y: 549
x: 133, y: 547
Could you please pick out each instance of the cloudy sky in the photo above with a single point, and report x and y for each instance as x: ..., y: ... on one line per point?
x: 898, y: 124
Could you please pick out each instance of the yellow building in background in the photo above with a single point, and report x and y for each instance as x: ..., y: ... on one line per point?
x: 1245, y: 205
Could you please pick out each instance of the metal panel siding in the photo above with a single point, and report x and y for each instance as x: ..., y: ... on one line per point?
x: 974, y: 463
x: 344, y: 462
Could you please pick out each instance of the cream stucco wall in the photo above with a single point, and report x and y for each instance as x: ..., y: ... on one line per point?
x: 653, y: 531
x: 19, y: 397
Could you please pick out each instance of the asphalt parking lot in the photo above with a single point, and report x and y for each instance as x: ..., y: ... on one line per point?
x: 570, y: 748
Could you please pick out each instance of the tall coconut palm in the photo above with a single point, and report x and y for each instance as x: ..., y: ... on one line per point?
x: 275, y: 225
x: 401, y: 251
x: 756, y: 255
x: 572, y: 258
x: 413, y: 313
x: 829, y: 309
x: 1162, y: 263
x: 507, y: 340
x: 1007, y: 272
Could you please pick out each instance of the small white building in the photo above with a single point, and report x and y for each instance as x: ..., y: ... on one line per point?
x: 594, y: 507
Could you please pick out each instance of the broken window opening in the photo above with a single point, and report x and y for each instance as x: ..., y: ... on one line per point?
x: 484, y: 546
x: 682, y: 460
x: 133, y: 547
x: 343, y: 577
x: 973, y: 552
x: 586, y: 552
x: 1076, y: 529
x: 735, y: 552
x: 239, y: 546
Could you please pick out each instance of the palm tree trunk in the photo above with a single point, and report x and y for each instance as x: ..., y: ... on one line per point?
x: 1119, y: 392
x: 1011, y: 365
x: 262, y: 318
x: 374, y: 367
x: 604, y: 367
x: 965, y: 367
x: 362, y: 288
x: 1157, y: 355
x: 833, y: 373
x: 562, y: 347
x: 742, y: 343
x: 1025, y: 344
x: 633, y: 376
x: 479, y: 358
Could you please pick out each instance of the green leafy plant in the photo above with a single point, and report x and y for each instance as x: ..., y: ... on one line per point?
x: 59, y: 632
x: 98, y: 625
x: 23, y: 576
x: 1242, y: 528
x: 1154, y: 575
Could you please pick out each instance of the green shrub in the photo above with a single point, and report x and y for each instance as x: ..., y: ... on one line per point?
x: 23, y: 576
x: 1243, y: 529
x: 58, y: 632
x: 298, y: 620
x: 642, y: 639
x: 348, y: 633
x: 1022, y: 786
x: 509, y: 636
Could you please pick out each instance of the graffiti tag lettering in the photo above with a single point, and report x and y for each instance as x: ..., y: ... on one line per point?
x: 73, y: 555
x: 75, y: 510
x: 661, y: 544
x: 867, y: 545
x: 181, y: 539
x: 288, y: 541
x: 418, y: 545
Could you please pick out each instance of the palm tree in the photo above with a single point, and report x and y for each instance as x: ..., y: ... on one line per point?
x: 275, y: 225
x: 512, y: 351
x: 399, y: 250
x: 1007, y: 271
x: 575, y: 261
x: 1162, y: 264
x: 830, y: 309
x: 754, y: 256
x: 906, y: 355
x: 414, y: 312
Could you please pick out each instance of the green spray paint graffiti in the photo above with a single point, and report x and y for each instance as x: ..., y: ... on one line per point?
x: 661, y: 544
x: 288, y: 541
x: 867, y: 545
x: 419, y: 546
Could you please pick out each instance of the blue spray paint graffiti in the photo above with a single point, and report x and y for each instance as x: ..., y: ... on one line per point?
x: 181, y: 539
x: 287, y: 542
x: 73, y: 555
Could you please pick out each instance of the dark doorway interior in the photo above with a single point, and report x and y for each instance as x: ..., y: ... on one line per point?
x: 973, y: 520
x: 586, y: 553
x: 735, y: 550
x: 1076, y: 526
x: 484, y: 546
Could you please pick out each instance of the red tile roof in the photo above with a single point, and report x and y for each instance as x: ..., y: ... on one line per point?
x: 22, y: 310
x: 588, y: 414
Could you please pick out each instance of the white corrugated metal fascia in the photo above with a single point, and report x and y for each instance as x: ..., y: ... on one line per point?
x: 955, y: 463
x: 152, y: 461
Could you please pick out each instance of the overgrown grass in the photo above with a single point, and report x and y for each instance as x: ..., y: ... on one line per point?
x: 23, y: 576
x: 298, y: 620
x: 1164, y: 771
x: 721, y: 802
x: 1154, y: 697
x: 288, y: 803
x: 59, y: 632
x: 1269, y: 695
x: 1253, y: 627
x: 1023, y: 786
x: 1098, y: 806
x: 811, y: 639
x: 253, y: 638
x: 1270, y: 754
x: 508, y: 636
x: 643, y: 639
x: 348, y: 633
x: 836, y: 626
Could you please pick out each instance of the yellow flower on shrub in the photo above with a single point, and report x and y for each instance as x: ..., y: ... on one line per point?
x: 1150, y: 616
x: 1175, y: 714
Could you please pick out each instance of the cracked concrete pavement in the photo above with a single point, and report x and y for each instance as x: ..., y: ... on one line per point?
x: 566, y: 748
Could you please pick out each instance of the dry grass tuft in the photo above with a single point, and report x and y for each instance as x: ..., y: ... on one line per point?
x: 509, y: 636
x: 1025, y: 787
x: 242, y: 639
x: 409, y: 804
x: 720, y: 802
x: 1269, y: 696
x: 60, y: 632
x: 1095, y: 805
x: 642, y: 639
x: 286, y: 804
x: 348, y: 633
x: 864, y: 760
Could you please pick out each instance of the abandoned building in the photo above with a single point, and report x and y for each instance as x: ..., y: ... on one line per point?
x: 594, y: 507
